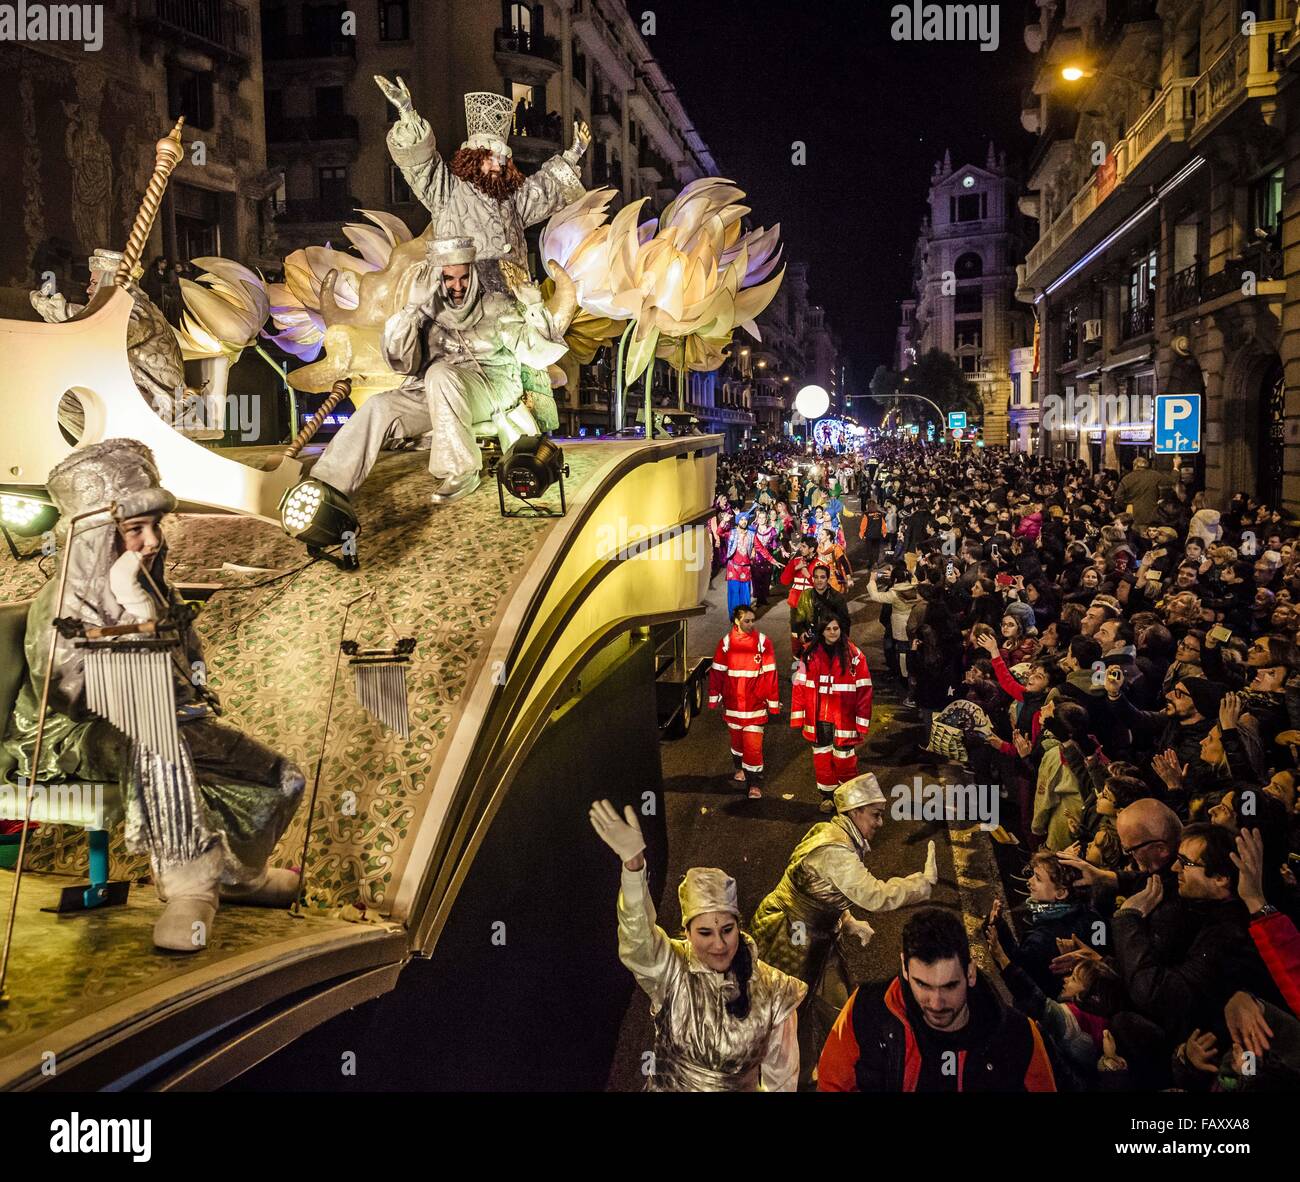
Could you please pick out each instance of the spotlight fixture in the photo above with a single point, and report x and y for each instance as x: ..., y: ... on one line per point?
x: 27, y: 515
x: 318, y: 516
x: 527, y: 470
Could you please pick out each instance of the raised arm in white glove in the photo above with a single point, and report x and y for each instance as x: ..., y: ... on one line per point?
x: 581, y: 140
x: 931, y: 866
x: 411, y: 126
x: 124, y: 582
x: 622, y: 835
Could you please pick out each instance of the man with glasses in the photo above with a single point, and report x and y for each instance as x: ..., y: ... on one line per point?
x: 1186, y: 993
x: 1191, y: 706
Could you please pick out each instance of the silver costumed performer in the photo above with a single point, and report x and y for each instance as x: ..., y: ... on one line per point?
x: 209, y: 824
x: 701, y: 1045
x: 463, y: 348
x: 494, y: 204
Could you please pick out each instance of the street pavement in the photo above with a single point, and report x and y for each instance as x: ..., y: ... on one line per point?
x: 711, y: 822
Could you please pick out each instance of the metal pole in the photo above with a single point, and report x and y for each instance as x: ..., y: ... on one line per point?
x: 40, y: 736
x: 618, y: 380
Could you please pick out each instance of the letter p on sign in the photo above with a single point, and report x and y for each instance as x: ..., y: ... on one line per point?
x: 1178, y: 424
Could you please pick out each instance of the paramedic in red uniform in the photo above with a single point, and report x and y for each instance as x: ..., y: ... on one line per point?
x: 743, y: 682
x: 831, y: 702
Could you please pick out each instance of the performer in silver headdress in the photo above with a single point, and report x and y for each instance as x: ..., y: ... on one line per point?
x: 208, y: 824
x: 463, y: 348
x: 151, y: 346
x: 724, y: 1020
x: 798, y: 926
x: 481, y: 194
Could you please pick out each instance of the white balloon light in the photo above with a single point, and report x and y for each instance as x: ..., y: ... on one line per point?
x: 812, y: 402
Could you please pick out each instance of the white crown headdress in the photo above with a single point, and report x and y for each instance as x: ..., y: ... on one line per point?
x: 488, y: 119
x: 445, y: 252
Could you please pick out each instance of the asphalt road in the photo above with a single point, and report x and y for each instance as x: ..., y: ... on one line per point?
x: 711, y: 822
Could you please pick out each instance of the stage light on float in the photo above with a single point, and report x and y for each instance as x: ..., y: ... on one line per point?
x: 26, y: 516
x: 812, y: 402
x: 527, y: 470
x: 317, y: 515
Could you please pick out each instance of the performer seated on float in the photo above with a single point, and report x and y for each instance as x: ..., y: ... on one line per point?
x: 463, y: 348
x: 209, y: 824
x: 724, y: 1020
x: 151, y: 346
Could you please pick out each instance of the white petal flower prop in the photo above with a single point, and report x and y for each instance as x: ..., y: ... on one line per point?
x: 224, y: 310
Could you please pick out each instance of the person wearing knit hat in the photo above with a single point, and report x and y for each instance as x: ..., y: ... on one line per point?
x: 797, y: 927
x: 1205, y: 695
x: 210, y: 823
x: 725, y: 1020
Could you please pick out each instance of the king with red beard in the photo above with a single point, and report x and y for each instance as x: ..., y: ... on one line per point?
x: 482, y: 195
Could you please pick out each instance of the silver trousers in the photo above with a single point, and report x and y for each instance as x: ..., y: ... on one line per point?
x: 451, y: 401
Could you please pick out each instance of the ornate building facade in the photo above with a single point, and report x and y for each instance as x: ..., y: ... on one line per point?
x: 1166, y: 185
x: 964, y: 280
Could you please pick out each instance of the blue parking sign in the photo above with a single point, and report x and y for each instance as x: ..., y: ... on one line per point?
x: 956, y: 420
x: 1178, y: 424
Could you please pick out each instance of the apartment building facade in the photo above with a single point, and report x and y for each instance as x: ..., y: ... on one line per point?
x: 1166, y: 185
x: 964, y: 278
x: 561, y: 60
x: 81, y: 137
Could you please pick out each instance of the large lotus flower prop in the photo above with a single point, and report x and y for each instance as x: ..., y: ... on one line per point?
x: 687, y: 280
x: 223, y: 311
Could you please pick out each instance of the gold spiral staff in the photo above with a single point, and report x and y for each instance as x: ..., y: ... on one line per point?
x: 168, y: 153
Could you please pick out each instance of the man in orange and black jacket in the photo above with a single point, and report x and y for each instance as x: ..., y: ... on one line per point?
x: 937, y: 1027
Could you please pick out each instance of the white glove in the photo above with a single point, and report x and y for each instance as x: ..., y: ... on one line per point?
x: 860, y: 929
x: 581, y: 141
x: 398, y: 94
x: 124, y: 582
x: 622, y: 836
x: 931, y: 866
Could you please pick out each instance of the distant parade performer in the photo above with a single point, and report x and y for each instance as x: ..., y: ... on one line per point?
x: 831, y: 703
x: 743, y: 550
x: 797, y: 574
x: 798, y: 926
x: 766, y: 532
x: 724, y: 1021
x: 743, y: 682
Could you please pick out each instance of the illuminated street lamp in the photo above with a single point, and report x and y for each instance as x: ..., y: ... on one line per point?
x: 1076, y: 72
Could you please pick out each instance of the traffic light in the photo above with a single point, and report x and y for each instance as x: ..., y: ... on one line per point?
x: 979, y: 436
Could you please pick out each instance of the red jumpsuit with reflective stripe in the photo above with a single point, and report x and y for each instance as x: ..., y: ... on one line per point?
x: 832, y: 705
x: 743, y: 682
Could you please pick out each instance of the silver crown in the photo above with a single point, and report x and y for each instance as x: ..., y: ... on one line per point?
x: 488, y: 119
x: 444, y: 252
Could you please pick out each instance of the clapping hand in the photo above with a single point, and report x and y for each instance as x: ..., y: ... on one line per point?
x: 1249, y: 861
x: 1147, y: 899
x: 1110, y: 1059
x: 1201, y: 1051
x: 1169, y: 769
x: 1246, y: 1022
x: 1069, y: 953
x: 1229, y: 711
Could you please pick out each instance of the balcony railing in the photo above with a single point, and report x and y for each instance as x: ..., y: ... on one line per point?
x: 220, y: 26
x: 1248, y: 66
x: 311, y: 129
x: 316, y: 209
x: 302, y: 47
x: 527, y: 44
x: 535, y: 123
x: 607, y: 106
x: 1185, y: 289
x: 648, y: 158
x: 1168, y: 117
x: 1139, y: 320
x: 1191, y: 286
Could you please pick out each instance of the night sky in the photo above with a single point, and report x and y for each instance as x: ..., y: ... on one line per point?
x: 875, y: 115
